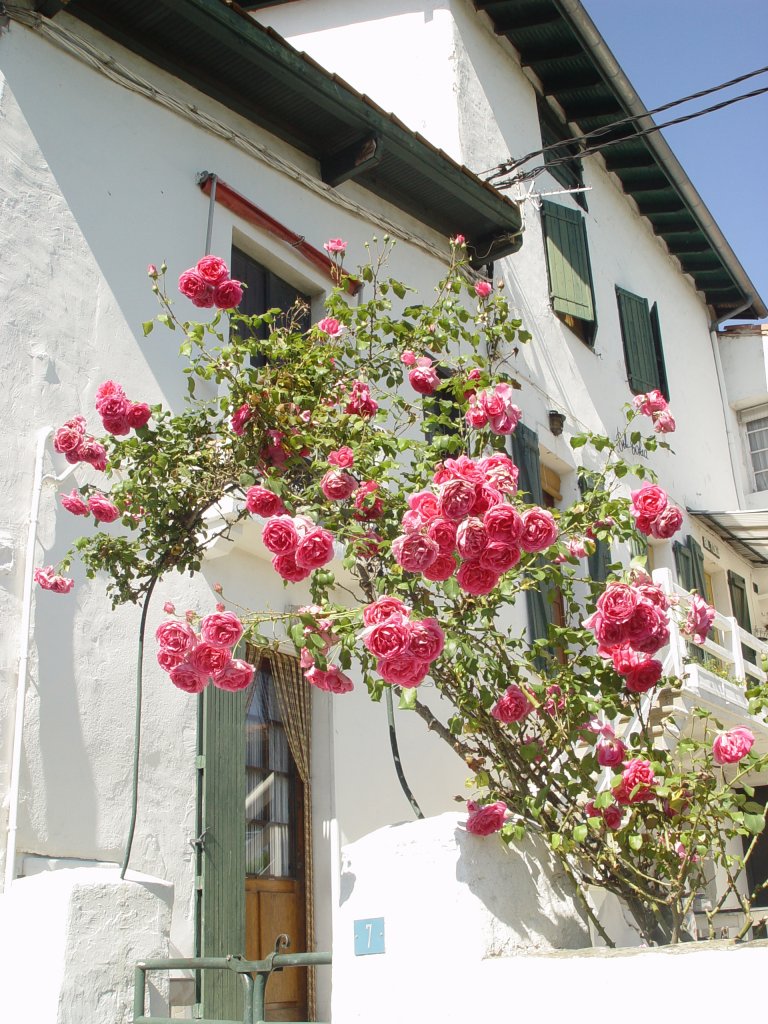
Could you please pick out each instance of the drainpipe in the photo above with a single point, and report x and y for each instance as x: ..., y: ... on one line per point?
x: 26, y: 620
x: 734, y: 449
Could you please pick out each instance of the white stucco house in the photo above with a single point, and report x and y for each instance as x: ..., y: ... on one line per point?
x: 137, y: 131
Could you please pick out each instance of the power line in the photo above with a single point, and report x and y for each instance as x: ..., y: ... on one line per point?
x: 506, y: 168
x: 526, y: 175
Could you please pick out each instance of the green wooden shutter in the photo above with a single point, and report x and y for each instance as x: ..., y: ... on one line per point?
x: 570, y: 274
x: 222, y: 874
x: 639, y: 345
x: 661, y: 366
x: 599, y: 561
x: 525, y: 453
x: 697, y: 565
x: 737, y: 586
x: 684, y: 565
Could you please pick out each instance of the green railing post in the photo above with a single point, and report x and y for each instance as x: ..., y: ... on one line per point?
x: 139, y: 986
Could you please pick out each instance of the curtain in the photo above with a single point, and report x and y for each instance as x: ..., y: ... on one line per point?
x: 295, y: 699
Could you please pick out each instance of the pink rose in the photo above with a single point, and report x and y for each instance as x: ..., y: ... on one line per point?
x: 49, y: 579
x: 424, y: 380
x: 612, y: 817
x: 408, y: 358
x: 169, y: 608
x: 360, y: 402
x: 403, y: 670
x: 222, y: 629
x: 169, y: 659
x: 414, y: 552
x: 474, y: 579
x: 368, y: 505
x: 236, y: 675
x: 117, y: 425
x: 110, y: 389
x: 195, y: 287
x: 458, y: 240
x: 138, y: 415
x: 486, y: 498
x: 337, y: 485
x: 503, y: 415
x: 483, y: 289
x: 476, y: 415
x: 650, y: 403
x: 647, y: 505
x: 645, y: 676
x: 102, y: 508
x: 512, y: 706
x: 262, y: 502
x: 343, y: 457
x: 188, y: 679
x: 212, y: 269
x: 500, y: 558
x: 500, y: 471
x: 427, y: 640
x: 207, y: 659
x: 462, y: 468
x: 617, y: 603
x: 240, y: 417
x: 289, y: 569
x: 332, y: 680
x: 94, y: 454
x: 649, y: 591
x: 637, y: 782
x: 443, y: 567
x: 648, y: 630
x: 457, y: 497
x: 67, y: 439
x: 176, y: 637
x: 330, y: 325
x: 280, y: 535
x: 443, y: 533
x: 424, y: 503
x: 539, y: 530
x: 732, y: 746
x: 228, y: 294
x: 610, y: 751
x: 382, y: 609
x: 667, y: 524
x: 152, y: 271
x: 664, y: 422
x: 471, y: 538
x: 315, y: 549
x: 484, y: 821
x: 504, y: 525
x: 697, y: 624
x: 74, y: 503
x: 335, y: 246
x: 388, y: 638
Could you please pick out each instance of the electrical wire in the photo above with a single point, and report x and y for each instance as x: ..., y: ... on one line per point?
x: 590, y: 150
x: 511, y: 165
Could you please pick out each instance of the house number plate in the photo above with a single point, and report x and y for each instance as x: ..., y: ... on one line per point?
x: 369, y: 936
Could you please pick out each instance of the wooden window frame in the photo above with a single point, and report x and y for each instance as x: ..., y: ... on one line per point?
x: 638, y: 318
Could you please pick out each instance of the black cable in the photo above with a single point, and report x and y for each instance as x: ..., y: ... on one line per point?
x: 534, y: 172
x: 511, y: 165
x: 396, y: 754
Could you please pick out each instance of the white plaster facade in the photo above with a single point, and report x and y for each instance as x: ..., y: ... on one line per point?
x: 97, y: 181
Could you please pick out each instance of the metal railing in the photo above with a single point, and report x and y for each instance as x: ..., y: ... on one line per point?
x: 253, y: 973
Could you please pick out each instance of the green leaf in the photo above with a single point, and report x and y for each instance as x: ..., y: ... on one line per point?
x: 163, y: 318
x: 579, y: 441
x: 635, y: 842
x: 147, y: 327
x: 580, y: 833
x: 755, y: 823
x: 556, y: 841
x: 407, y: 698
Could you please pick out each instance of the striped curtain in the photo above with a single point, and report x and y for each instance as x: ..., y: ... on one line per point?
x: 295, y: 698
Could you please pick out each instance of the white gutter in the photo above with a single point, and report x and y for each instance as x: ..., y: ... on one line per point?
x: 26, y: 620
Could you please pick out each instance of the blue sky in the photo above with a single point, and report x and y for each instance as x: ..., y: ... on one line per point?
x: 670, y: 48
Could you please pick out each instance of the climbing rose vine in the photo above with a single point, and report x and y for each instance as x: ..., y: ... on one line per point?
x: 377, y: 455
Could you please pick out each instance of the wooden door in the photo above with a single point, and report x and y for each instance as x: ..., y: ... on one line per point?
x: 274, y: 845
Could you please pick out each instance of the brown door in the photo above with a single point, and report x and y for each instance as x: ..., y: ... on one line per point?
x: 274, y: 845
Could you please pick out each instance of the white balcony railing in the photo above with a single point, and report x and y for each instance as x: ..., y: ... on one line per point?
x: 724, y: 659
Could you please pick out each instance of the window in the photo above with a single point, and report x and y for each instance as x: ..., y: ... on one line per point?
x: 641, y: 335
x: 264, y: 291
x: 569, y: 172
x: 757, y: 865
x: 568, y: 268
x: 756, y: 429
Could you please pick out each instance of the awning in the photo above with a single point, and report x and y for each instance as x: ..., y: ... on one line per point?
x: 746, y: 531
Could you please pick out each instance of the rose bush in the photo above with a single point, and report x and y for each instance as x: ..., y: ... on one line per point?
x: 384, y: 480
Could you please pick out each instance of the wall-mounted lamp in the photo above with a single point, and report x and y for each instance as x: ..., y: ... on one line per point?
x: 556, y: 422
